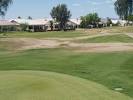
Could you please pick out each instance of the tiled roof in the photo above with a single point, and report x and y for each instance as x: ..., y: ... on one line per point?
x: 76, y: 21
x: 32, y: 22
x: 7, y: 23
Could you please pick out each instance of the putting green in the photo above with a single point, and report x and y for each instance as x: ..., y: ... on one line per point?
x: 39, y: 85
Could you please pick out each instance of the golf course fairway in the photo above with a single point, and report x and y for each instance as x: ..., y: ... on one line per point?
x: 41, y: 85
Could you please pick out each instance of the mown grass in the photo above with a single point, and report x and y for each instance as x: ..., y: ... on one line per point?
x: 41, y: 85
x: 108, y: 39
x: 54, y: 34
x: 68, y: 34
x: 113, y: 70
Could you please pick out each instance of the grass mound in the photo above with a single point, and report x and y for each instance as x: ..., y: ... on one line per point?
x: 113, y: 70
x: 37, y: 85
x: 108, y: 39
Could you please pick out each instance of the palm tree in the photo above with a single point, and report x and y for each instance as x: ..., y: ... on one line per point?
x: 4, y: 4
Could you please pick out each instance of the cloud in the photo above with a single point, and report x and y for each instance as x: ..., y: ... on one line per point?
x: 94, y: 3
x: 101, y: 2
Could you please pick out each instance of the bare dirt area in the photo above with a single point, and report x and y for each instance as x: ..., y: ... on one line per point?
x: 28, y: 43
x: 130, y: 34
x: 102, y: 47
x: 32, y: 43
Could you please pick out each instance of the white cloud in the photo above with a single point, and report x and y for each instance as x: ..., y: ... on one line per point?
x: 94, y: 3
x: 101, y: 2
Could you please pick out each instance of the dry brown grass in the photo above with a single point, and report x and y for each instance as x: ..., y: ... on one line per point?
x: 127, y: 29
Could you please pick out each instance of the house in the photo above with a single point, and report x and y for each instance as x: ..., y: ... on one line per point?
x: 6, y: 25
x: 115, y: 21
x: 41, y: 25
x: 71, y: 24
x: 123, y: 22
x: 74, y: 22
x: 103, y: 22
x: 36, y: 25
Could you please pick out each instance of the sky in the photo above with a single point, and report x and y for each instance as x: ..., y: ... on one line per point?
x: 42, y: 8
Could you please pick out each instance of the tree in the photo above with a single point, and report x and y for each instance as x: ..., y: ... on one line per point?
x: 89, y: 19
x: 30, y: 17
x: 123, y: 8
x: 130, y: 6
x: 51, y: 25
x: 130, y: 18
x: 4, y: 4
x: 19, y: 17
x: 61, y: 14
x: 24, y: 27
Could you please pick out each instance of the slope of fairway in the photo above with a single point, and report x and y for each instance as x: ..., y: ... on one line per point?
x: 108, y: 39
x: 113, y: 70
x: 59, y: 34
x: 37, y: 85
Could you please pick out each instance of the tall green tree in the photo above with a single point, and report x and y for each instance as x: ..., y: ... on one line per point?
x: 130, y: 18
x: 89, y: 19
x: 61, y: 14
x: 4, y: 4
x: 123, y: 8
x: 130, y: 4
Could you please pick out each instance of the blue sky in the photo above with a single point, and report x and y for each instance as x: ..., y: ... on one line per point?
x: 42, y: 8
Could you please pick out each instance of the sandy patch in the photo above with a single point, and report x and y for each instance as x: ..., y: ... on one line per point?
x: 31, y: 43
x: 102, y: 47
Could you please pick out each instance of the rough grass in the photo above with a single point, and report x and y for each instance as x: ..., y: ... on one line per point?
x: 108, y: 39
x: 113, y: 70
x: 114, y: 29
x: 70, y: 34
x: 126, y: 29
x: 37, y: 85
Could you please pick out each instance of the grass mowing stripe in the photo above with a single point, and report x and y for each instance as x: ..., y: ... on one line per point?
x: 113, y: 70
x: 41, y: 85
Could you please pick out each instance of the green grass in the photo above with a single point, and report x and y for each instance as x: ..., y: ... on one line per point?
x: 37, y: 85
x: 108, y: 39
x: 113, y: 70
x: 69, y: 34
x: 59, y: 34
